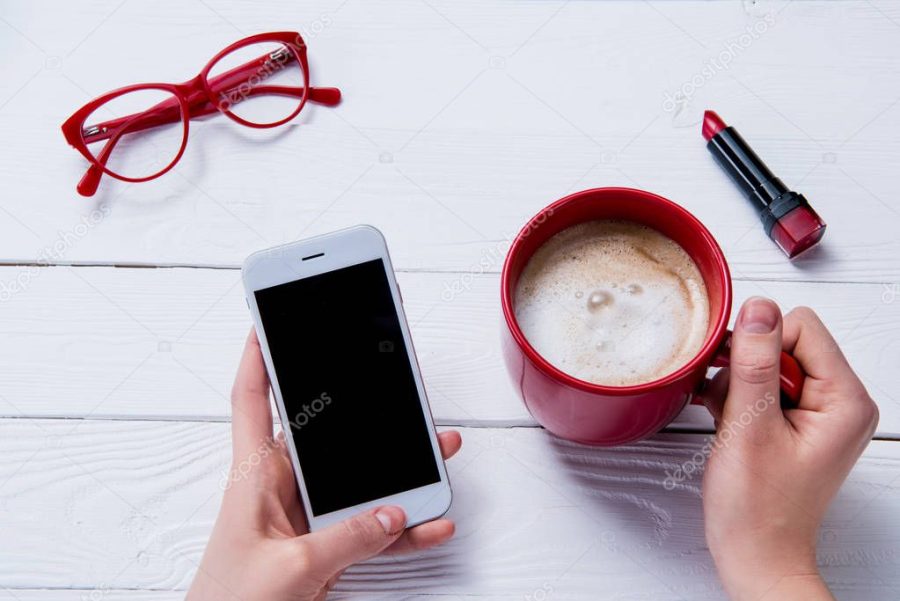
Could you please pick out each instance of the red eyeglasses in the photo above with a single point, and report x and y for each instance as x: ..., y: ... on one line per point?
x: 261, y: 81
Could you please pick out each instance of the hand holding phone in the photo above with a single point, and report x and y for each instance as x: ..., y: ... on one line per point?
x: 261, y: 547
x: 345, y: 378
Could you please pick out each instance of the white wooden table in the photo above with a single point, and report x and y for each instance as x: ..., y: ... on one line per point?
x: 460, y: 120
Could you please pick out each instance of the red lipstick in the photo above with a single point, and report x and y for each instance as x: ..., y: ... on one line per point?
x: 786, y: 215
x: 712, y: 124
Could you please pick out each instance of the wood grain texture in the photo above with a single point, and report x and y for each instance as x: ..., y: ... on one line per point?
x: 164, y: 343
x: 460, y: 121
x: 98, y: 594
x: 130, y: 504
x: 178, y: 595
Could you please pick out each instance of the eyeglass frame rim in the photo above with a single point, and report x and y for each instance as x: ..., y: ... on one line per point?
x: 73, y: 127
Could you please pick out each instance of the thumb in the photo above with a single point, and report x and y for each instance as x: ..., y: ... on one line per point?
x: 753, y: 387
x: 355, y: 539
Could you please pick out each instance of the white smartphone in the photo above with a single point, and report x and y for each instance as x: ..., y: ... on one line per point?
x: 330, y: 321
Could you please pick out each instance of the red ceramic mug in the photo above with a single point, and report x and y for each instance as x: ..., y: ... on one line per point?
x: 608, y: 415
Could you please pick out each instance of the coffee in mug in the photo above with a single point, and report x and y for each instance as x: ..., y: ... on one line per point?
x: 617, y: 236
x: 613, y: 302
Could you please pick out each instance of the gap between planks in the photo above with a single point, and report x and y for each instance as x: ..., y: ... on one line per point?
x: 483, y: 424
x: 234, y: 267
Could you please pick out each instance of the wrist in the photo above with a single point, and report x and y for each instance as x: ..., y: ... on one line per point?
x: 809, y: 587
x: 775, y: 585
x: 200, y: 590
x: 753, y: 570
x: 206, y: 588
x: 770, y: 578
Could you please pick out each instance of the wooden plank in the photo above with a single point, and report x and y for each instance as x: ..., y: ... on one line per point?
x: 489, y: 118
x: 461, y: 120
x: 118, y: 505
x: 164, y: 343
x: 93, y: 594
x: 101, y: 594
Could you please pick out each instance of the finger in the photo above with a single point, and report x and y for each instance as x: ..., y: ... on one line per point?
x: 353, y: 540
x: 713, y: 396
x: 753, y: 386
x: 810, y: 342
x: 424, y: 536
x: 251, y: 416
x: 330, y: 585
x: 450, y: 443
x: 281, y: 447
x: 287, y: 488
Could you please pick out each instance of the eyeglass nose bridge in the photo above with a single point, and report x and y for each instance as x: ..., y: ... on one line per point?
x: 196, y: 96
x: 191, y: 87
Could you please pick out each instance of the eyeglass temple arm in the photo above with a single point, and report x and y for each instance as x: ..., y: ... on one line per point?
x: 242, y: 74
x: 326, y: 96
x: 168, y: 111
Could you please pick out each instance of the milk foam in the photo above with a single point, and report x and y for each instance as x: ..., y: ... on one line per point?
x: 613, y: 302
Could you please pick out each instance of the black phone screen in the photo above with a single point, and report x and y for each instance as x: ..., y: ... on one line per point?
x: 348, y: 386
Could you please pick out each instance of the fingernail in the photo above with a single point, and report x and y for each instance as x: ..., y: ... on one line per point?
x: 391, y: 519
x: 758, y: 316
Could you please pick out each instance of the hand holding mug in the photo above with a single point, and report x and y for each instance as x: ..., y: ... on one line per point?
x: 592, y: 412
x: 773, y: 471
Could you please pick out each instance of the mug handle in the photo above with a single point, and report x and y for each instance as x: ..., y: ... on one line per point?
x: 792, y: 375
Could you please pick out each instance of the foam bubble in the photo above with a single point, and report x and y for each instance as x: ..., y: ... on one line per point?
x: 613, y: 302
x: 599, y: 300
